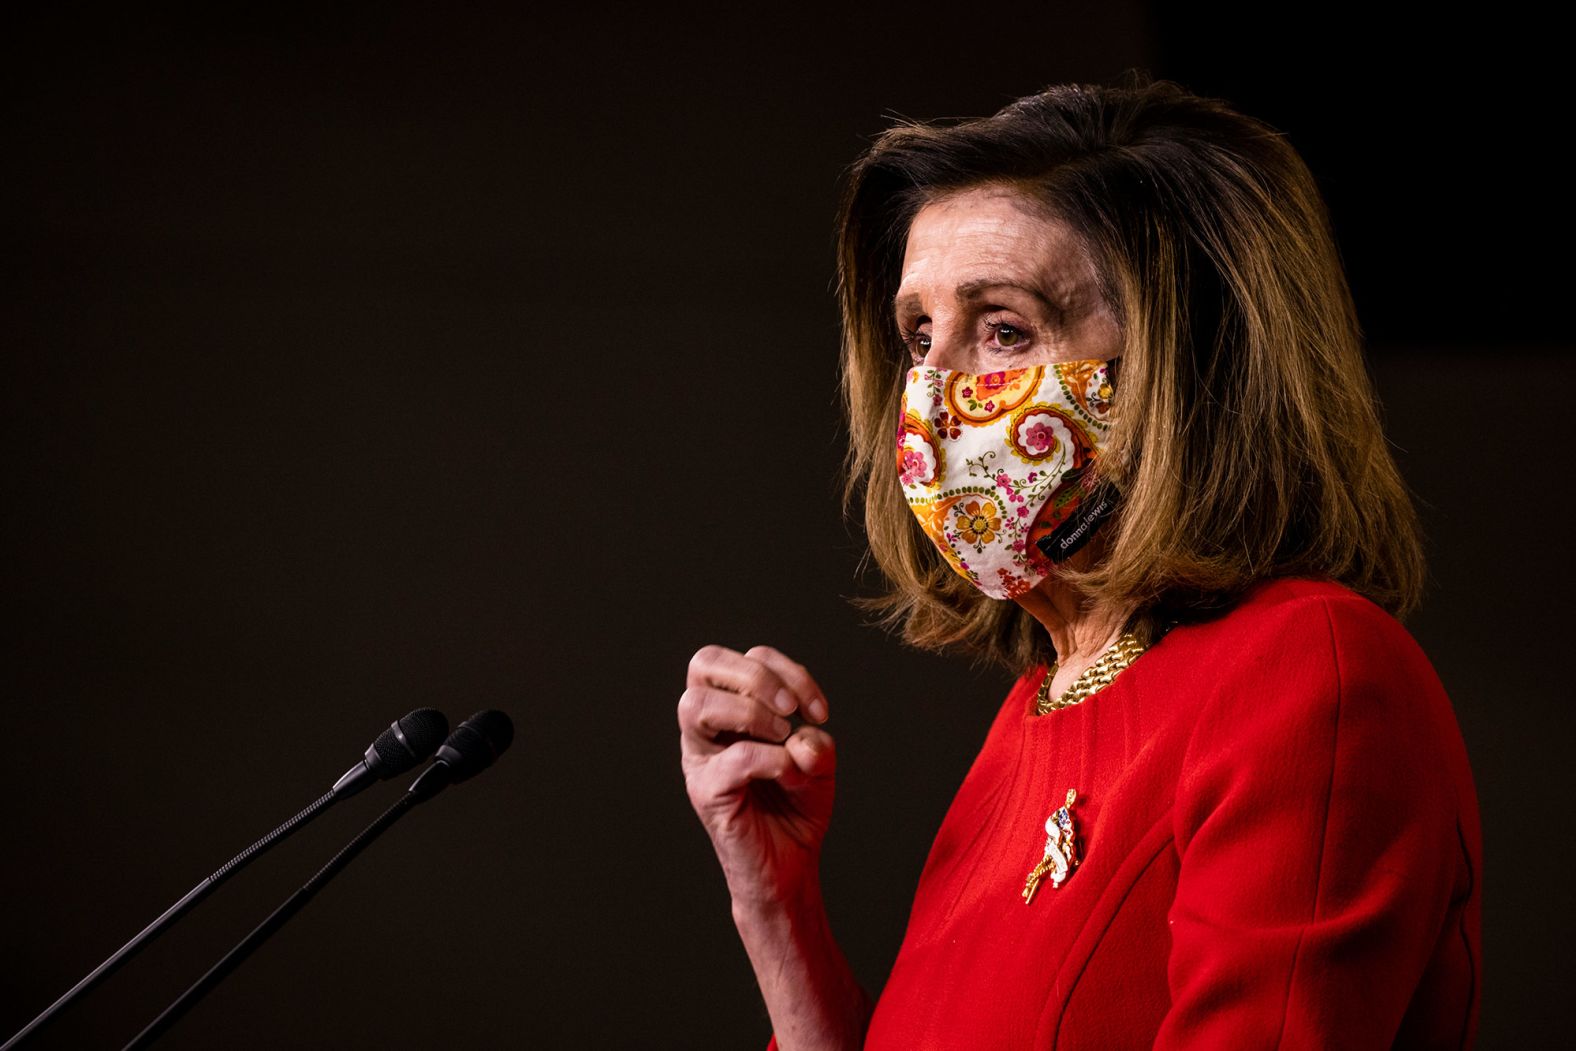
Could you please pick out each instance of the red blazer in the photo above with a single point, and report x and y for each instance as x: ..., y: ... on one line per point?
x: 1280, y: 849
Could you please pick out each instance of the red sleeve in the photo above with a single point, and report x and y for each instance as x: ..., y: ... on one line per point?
x: 1317, y: 829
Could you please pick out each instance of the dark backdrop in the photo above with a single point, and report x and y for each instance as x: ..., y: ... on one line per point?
x: 306, y: 315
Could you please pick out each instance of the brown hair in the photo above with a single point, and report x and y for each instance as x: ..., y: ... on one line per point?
x: 1247, y: 442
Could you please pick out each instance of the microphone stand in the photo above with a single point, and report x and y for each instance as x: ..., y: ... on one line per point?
x: 176, y: 911
x: 425, y: 787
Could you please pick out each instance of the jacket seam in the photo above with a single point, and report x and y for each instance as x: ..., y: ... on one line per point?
x: 1466, y: 940
x: 1063, y: 999
x: 1329, y: 796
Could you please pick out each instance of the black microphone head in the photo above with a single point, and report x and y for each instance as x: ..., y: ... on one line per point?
x: 478, y: 741
x: 406, y: 742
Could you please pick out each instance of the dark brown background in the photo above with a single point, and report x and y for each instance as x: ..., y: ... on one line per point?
x: 376, y: 358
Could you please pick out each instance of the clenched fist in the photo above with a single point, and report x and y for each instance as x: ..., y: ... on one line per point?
x: 763, y: 793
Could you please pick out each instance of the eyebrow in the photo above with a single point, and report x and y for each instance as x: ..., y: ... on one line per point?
x: 975, y: 290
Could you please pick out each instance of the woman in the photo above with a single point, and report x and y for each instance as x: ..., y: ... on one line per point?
x: 1137, y: 459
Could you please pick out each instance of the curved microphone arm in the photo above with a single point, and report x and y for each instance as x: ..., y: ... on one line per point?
x: 175, y: 912
x: 264, y: 930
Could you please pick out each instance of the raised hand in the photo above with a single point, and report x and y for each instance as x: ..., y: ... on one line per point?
x: 762, y: 790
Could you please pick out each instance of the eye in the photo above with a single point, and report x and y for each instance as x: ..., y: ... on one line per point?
x: 917, y: 342
x: 1008, y: 337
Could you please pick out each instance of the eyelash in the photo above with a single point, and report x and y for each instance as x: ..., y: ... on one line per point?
x: 997, y: 326
x: 910, y: 336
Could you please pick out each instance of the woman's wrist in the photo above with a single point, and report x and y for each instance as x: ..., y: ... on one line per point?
x: 773, y: 905
x: 754, y: 899
x: 810, y: 991
x: 777, y: 928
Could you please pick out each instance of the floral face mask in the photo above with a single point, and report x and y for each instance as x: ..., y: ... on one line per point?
x: 997, y: 466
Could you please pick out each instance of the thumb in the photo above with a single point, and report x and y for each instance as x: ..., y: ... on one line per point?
x: 813, y: 751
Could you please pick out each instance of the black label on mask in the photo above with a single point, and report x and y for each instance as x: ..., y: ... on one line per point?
x: 1065, y: 540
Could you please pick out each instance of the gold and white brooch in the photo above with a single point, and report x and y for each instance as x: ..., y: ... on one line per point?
x: 1061, y: 849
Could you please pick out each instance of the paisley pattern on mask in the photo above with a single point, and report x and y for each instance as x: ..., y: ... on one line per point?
x: 989, y: 463
x: 980, y: 399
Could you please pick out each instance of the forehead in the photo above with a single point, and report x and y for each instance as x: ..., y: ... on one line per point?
x: 994, y: 233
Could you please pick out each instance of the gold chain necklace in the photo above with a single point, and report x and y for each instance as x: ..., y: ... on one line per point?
x: 1097, y: 676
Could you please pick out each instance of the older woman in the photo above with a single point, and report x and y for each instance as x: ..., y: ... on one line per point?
x: 1113, y: 428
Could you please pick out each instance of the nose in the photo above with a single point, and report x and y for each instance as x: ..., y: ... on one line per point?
x: 946, y: 351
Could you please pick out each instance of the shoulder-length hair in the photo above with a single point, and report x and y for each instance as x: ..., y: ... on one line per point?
x: 1247, y: 442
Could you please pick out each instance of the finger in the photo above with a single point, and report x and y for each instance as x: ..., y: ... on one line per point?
x: 741, y: 763
x: 709, y: 718
x: 725, y: 669
x: 811, y: 699
x: 813, y: 752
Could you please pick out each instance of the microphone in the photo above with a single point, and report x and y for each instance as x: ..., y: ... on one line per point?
x: 404, y: 744
x: 469, y: 750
